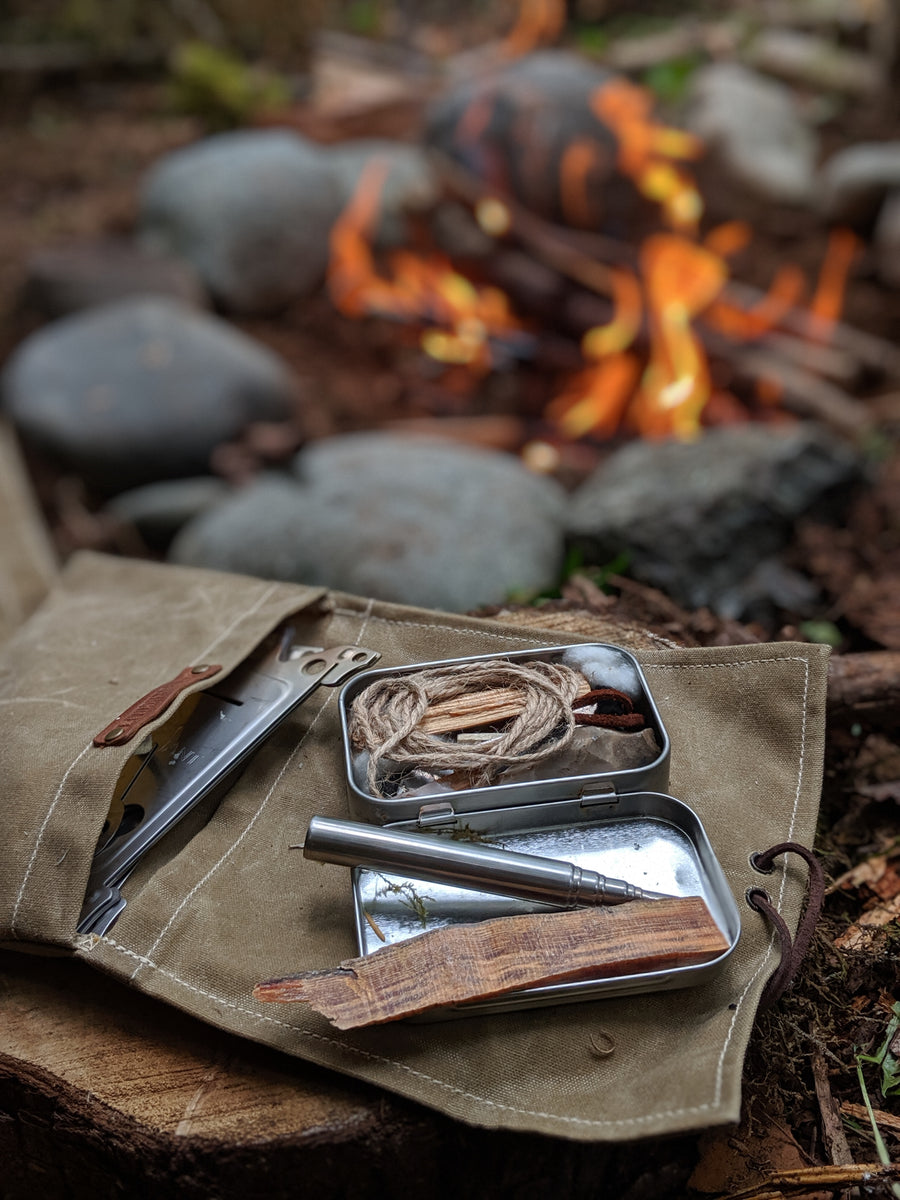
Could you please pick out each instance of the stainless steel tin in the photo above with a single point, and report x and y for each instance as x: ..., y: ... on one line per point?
x: 653, y: 777
x: 648, y: 838
x: 620, y: 824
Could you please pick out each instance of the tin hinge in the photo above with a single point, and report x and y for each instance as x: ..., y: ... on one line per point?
x: 599, y: 793
x: 441, y: 812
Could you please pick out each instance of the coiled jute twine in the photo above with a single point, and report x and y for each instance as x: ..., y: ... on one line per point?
x: 384, y: 719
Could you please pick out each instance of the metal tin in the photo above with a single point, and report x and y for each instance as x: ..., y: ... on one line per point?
x: 618, y: 823
x: 364, y: 806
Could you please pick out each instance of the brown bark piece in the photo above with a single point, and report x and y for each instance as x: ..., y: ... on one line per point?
x: 472, y: 962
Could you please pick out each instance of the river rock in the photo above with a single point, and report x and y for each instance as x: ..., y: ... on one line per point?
x: 752, y: 125
x: 697, y: 519
x: 811, y: 61
x: 410, y: 185
x: 65, y: 279
x: 141, y: 390
x: 407, y: 519
x: 511, y: 128
x: 251, y: 211
x: 854, y: 182
x: 158, y: 510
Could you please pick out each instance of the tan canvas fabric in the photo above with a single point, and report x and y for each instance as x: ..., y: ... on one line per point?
x: 27, y: 563
x: 236, y: 905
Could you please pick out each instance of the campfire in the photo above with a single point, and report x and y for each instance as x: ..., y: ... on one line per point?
x: 684, y: 345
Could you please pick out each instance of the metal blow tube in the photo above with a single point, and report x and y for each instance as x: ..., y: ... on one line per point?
x: 473, y: 865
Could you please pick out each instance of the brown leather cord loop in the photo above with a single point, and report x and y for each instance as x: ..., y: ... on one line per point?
x: 792, y: 951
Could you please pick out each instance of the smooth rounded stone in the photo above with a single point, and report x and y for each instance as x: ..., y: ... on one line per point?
x: 886, y: 241
x: 406, y: 519
x: 158, y: 510
x: 854, y: 182
x: 65, y: 279
x: 753, y: 127
x: 410, y: 185
x: 697, y: 518
x: 251, y: 211
x: 140, y: 391
x: 511, y: 127
x: 811, y: 61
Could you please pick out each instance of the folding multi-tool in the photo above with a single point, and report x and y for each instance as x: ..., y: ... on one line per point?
x: 199, y: 751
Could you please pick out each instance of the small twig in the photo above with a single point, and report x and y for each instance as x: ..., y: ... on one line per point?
x: 810, y: 1179
x: 859, y: 1112
x: 832, y: 1127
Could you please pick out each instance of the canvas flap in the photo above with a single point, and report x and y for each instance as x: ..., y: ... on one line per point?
x: 237, y: 904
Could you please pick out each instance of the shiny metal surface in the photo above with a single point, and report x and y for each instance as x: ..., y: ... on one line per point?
x: 199, y: 750
x: 651, y: 839
x: 475, y: 865
x: 653, y: 777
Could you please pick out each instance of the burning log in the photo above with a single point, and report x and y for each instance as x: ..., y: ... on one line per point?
x: 599, y: 264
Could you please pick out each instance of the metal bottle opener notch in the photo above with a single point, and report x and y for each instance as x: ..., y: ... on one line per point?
x: 199, y: 751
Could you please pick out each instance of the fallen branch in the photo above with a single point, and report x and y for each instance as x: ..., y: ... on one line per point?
x: 833, y: 1134
x: 864, y: 685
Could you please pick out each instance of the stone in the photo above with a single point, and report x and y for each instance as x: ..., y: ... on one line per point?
x: 406, y: 519
x: 65, y: 279
x: 698, y: 518
x: 158, y: 510
x: 250, y: 210
x: 753, y: 127
x: 142, y: 390
x: 410, y: 186
x: 511, y: 127
x: 886, y: 241
x: 854, y: 182
x: 811, y: 61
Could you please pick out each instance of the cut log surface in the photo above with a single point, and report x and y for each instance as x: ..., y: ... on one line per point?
x: 472, y: 962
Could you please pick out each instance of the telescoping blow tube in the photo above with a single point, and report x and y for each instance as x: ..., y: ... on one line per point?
x: 472, y: 865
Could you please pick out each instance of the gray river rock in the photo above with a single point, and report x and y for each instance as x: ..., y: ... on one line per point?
x: 407, y: 519
x: 753, y: 126
x: 141, y: 390
x: 701, y: 520
x: 251, y: 211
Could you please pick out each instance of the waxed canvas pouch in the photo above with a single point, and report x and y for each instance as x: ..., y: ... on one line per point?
x: 27, y: 562
x: 235, y: 904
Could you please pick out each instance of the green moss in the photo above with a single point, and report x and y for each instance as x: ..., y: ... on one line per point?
x: 221, y: 89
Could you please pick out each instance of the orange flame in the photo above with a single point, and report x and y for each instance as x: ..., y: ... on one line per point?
x: 539, y: 23
x: 680, y: 282
x: 827, y: 302
x: 646, y: 151
x: 461, y: 316
x: 596, y: 399
x: 681, y: 279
